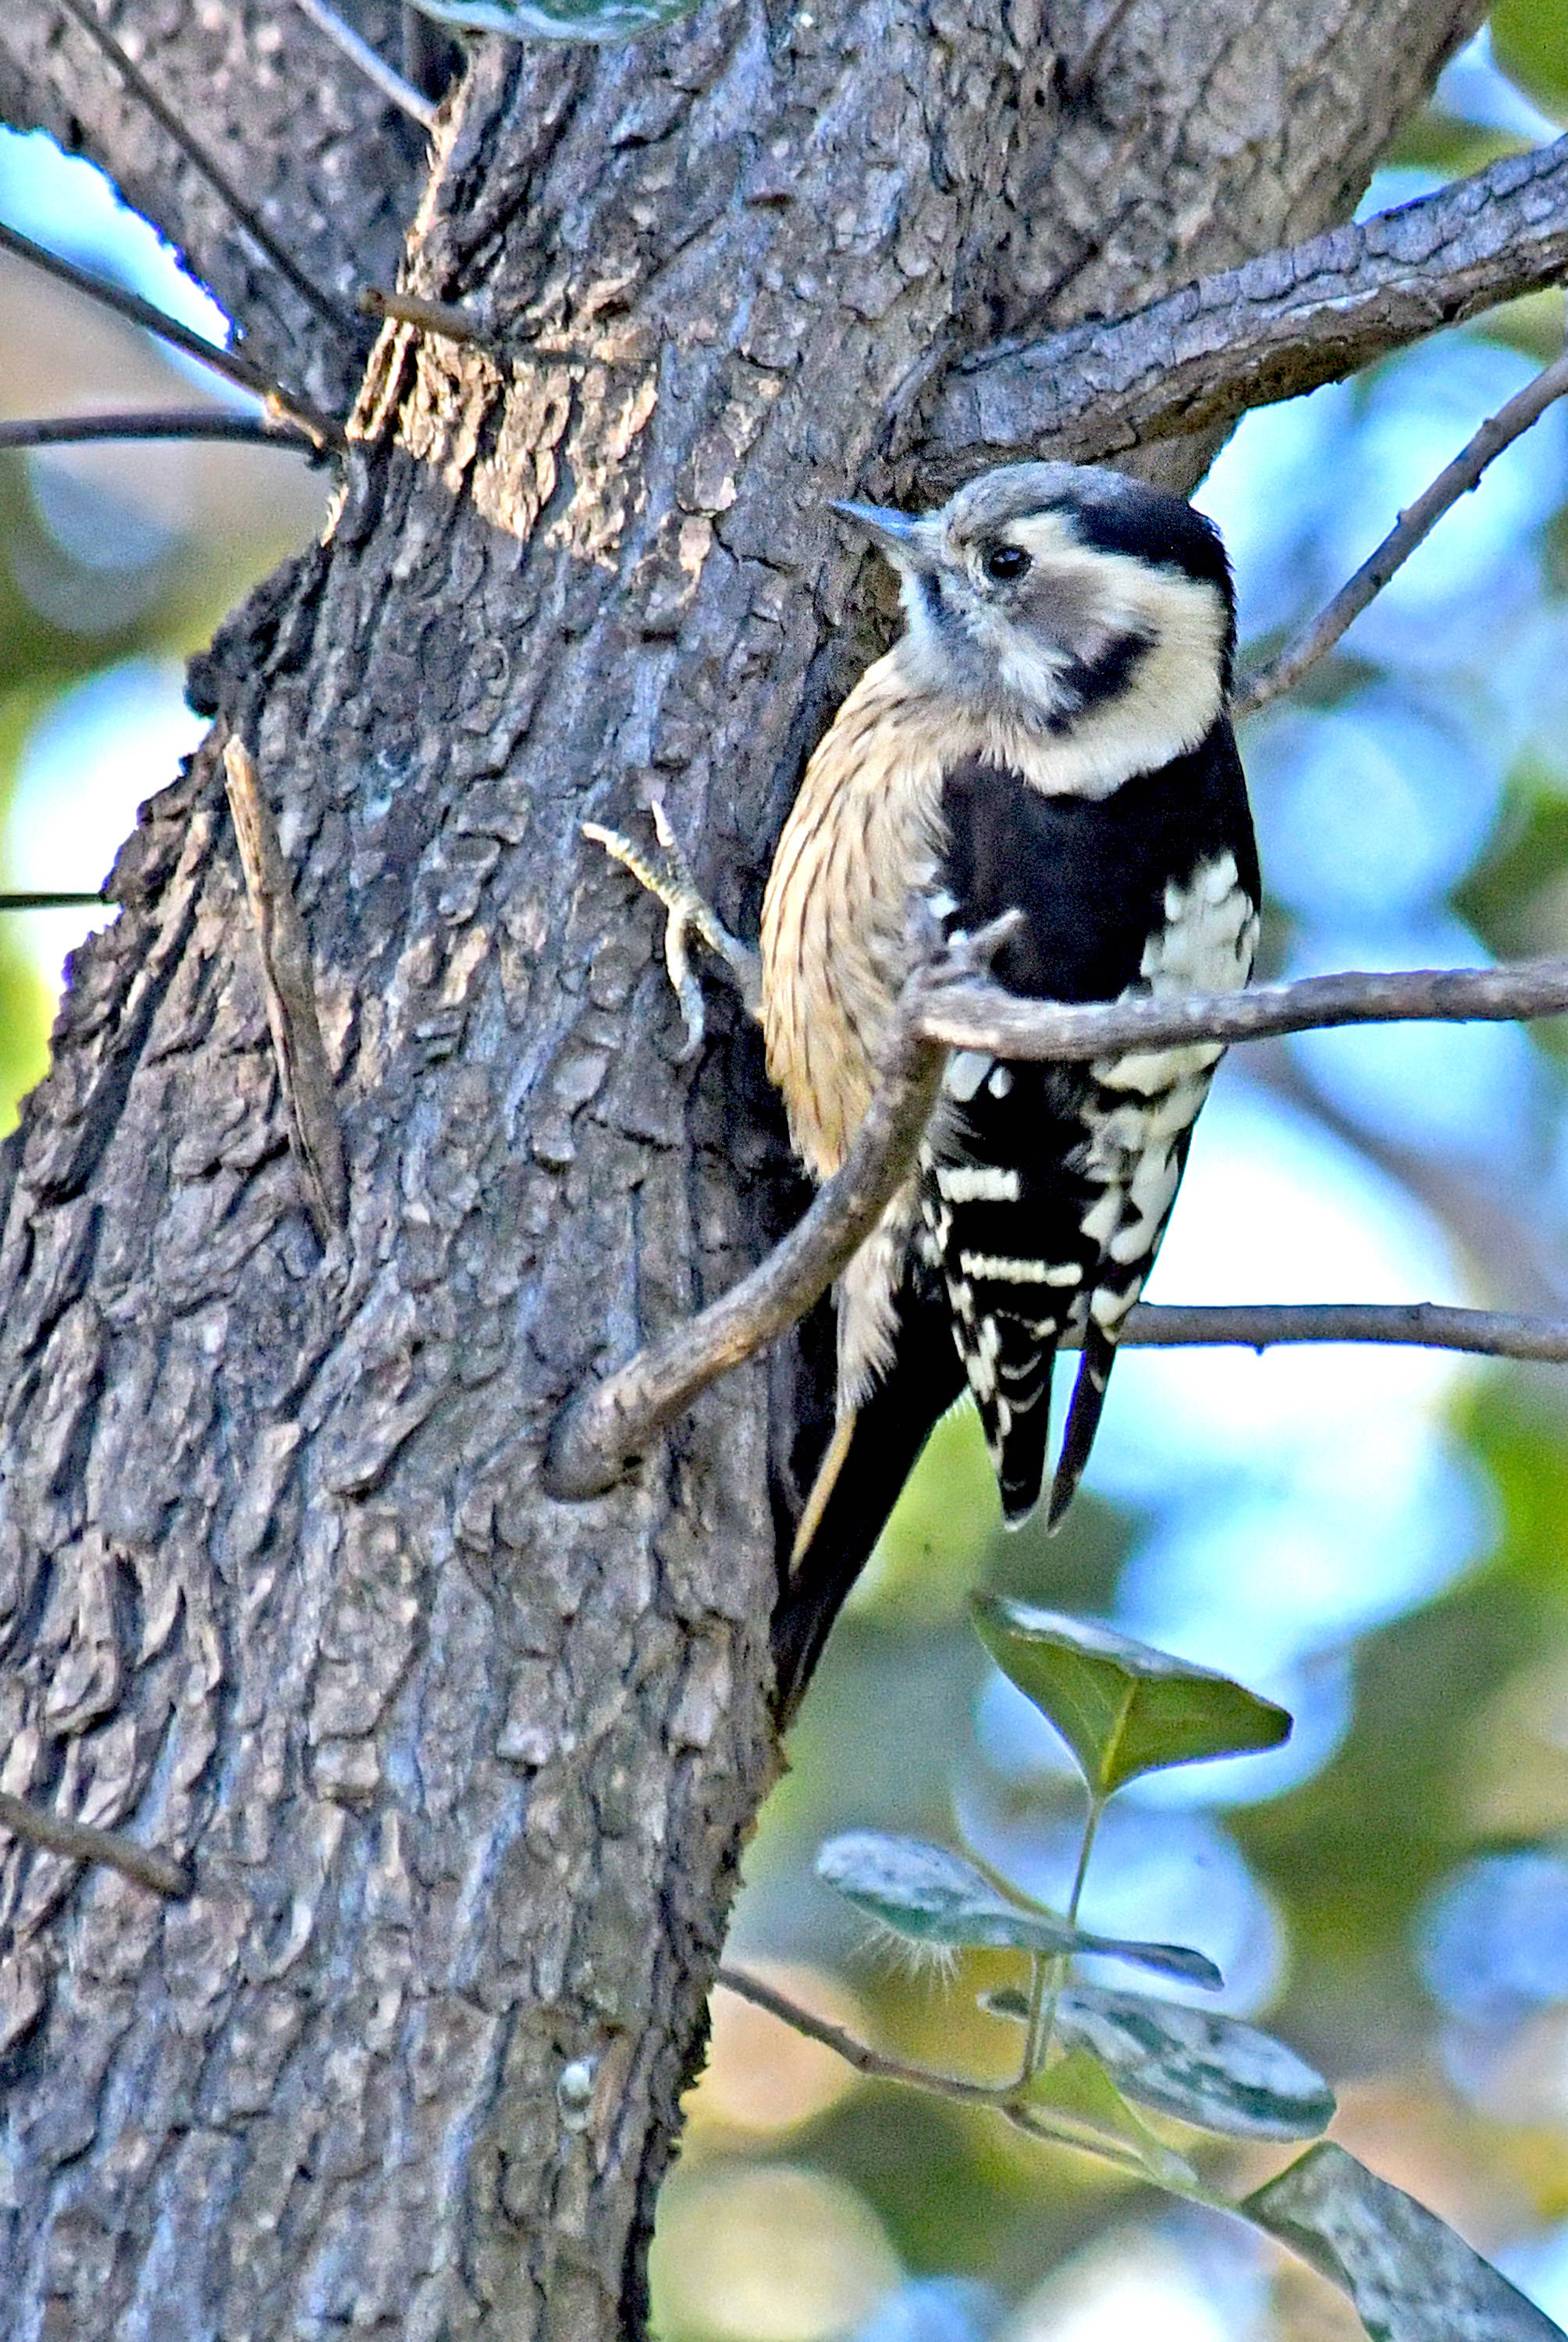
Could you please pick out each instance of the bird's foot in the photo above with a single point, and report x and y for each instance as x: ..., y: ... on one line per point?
x: 687, y: 913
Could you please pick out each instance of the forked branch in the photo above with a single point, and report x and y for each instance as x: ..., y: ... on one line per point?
x: 324, y: 429
x: 602, y: 1428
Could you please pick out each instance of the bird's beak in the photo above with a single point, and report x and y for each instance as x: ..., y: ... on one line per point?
x: 903, y: 537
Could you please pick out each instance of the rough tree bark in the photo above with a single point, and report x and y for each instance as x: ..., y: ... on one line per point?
x: 463, y: 1777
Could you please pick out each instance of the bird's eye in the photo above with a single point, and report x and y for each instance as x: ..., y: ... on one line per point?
x: 1006, y: 562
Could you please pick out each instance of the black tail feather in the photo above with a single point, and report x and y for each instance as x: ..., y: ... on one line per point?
x: 890, y: 1430
x: 1083, y: 1419
x: 1026, y: 1384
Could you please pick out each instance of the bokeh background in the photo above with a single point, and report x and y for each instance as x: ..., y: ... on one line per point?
x: 1375, y: 1538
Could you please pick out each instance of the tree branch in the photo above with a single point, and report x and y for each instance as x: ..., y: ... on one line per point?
x: 324, y: 429
x: 603, y: 1427
x: 596, y: 1432
x: 80, y: 1842
x: 54, y: 900
x: 1276, y: 327
x: 971, y: 1016
x: 1401, y: 1325
x: 1414, y: 526
x: 440, y: 317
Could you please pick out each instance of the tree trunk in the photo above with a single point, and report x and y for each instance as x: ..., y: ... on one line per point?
x: 463, y: 1775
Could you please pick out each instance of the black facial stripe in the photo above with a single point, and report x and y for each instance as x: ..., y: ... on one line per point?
x: 1156, y: 528
x: 1090, y: 682
x: 1165, y: 531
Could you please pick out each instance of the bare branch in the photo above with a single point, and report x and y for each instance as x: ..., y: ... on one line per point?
x: 324, y: 429
x: 82, y: 1843
x: 169, y: 122
x: 157, y: 423
x: 1275, y: 326
x: 304, y: 1072
x: 1415, y: 525
x: 971, y: 1016
x: 370, y: 63
x: 1403, y: 1325
x: 603, y: 1427
x: 855, y: 2053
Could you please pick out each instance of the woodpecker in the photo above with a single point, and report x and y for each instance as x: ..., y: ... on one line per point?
x: 1049, y: 737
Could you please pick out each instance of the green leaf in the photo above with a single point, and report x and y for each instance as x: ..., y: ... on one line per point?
x: 1122, y: 1708
x: 556, y: 20
x: 1079, y: 2093
x: 1412, y: 2279
x: 1209, y: 2070
x: 930, y: 1895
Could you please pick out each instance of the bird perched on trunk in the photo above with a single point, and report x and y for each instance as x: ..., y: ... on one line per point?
x: 1049, y: 737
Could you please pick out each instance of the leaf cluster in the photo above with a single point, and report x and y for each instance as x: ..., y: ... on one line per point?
x: 1097, y: 2060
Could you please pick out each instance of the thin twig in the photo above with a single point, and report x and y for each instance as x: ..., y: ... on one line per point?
x: 1415, y: 525
x: 305, y: 1075
x: 53, y: 900
x: 82, y: 1843
x: 169, y: 122
x: 603, y: 1427
x: 370, y: 63
x: 324, y: 429
x: 853, y: 2052
x: 453, y: 325
x: 1278, y: 325
x: 156, y: 423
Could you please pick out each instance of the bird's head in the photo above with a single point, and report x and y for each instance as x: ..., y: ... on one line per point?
x: 1070, y: 598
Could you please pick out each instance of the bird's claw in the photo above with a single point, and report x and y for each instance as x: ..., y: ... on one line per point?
x: 686, y: 912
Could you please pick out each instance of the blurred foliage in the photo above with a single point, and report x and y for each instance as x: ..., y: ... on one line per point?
x: 1531, y: 45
